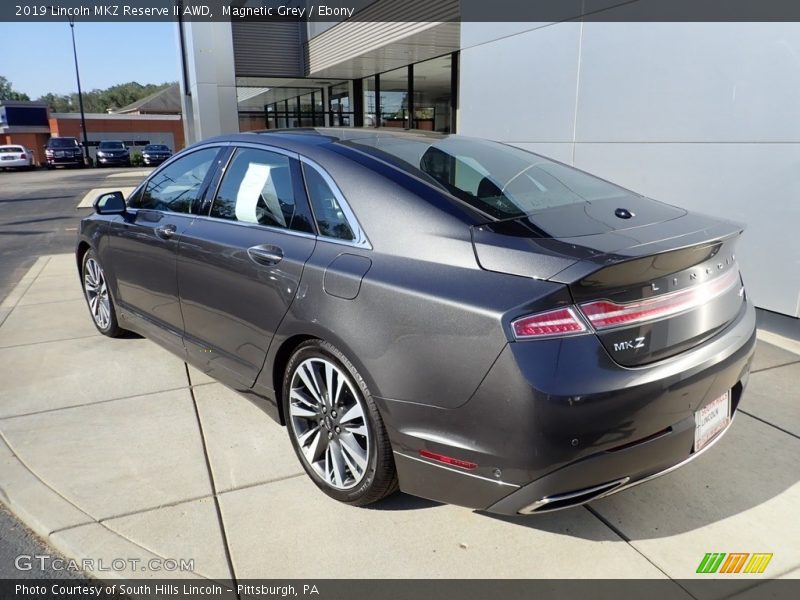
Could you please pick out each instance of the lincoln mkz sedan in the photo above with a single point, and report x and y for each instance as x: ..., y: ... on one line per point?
x: 454, y: 317
x: 113, y: 152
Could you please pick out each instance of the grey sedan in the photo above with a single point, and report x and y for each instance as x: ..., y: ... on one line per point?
x: 457, y: 318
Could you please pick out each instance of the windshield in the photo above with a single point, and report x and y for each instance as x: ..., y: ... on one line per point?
x: 499, y: 180
x: 156, y: 148
x: 111, y: 146
x: 6, y: 149
x: 63, y: 143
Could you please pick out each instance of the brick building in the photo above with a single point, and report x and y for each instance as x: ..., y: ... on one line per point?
x: 31, y: 124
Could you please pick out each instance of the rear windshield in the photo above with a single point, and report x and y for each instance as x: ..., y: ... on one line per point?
x: 501, y: 181
x: 8, y: 149
x: 63, y: 142
x: 156, y: 148
x: 111, y: 145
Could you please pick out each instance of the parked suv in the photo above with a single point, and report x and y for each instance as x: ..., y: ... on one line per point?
x: 113, y: 152
x: 63, y: 151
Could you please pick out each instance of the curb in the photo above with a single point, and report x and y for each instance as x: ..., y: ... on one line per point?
x: 785, y: 343
x: 15, y: 295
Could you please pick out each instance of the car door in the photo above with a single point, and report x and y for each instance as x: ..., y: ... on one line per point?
x: 240, y: 266
x: 144, y: 243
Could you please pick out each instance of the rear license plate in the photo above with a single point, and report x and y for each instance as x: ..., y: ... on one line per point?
x: 9, y: 158
x: 711, y: 419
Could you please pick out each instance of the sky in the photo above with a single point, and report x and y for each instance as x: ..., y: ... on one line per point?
x: 37, y: 57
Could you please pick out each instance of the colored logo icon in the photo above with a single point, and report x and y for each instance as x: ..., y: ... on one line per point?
x: 734, y: 562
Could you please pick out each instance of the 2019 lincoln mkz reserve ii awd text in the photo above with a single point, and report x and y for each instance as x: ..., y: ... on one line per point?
x: 454, y: 317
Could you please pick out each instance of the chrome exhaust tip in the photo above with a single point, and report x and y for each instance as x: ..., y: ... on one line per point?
x: 576, y: 498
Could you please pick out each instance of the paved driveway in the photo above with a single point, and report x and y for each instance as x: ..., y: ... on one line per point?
x: 39, y: 213
x: 117, y: 449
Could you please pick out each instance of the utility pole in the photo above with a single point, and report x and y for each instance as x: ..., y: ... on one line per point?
x: 80, y: 93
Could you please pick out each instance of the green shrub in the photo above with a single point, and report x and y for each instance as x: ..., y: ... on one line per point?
x: 136, y: 159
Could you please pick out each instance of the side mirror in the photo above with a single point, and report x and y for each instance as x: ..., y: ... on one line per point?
x: 112, y: 203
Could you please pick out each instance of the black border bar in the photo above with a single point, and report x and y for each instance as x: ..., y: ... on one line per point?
x: 754, y: 588
x: 403, y: 10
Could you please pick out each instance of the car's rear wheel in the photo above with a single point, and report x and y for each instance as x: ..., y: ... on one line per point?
x: 335, y: 427
x: 98, y: 296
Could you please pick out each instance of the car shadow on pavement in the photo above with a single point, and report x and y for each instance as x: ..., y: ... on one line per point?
x: 38, y: 220
x: 751, y: 470
x: 129, y: 335
x: 401, y: 501
x: 572, y: 522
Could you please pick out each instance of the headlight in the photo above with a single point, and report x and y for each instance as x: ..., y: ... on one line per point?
x: 99, y: 153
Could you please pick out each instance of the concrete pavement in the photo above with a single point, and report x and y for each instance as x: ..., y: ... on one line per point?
x: 116, y: 449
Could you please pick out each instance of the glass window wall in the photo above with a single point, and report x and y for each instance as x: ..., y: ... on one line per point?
x: 427, y: 105
x: 394, y: 98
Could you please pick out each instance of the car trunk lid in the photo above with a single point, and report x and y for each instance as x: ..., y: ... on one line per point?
x: 651, y: 279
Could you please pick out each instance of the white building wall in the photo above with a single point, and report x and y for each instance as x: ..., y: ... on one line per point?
x: 701, y: 115
x: 209, y: 108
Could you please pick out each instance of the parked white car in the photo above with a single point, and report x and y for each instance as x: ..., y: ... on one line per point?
x: 16, y: 157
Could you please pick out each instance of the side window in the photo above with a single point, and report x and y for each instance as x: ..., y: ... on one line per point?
x: 178, y: 186
x: 331, y: 220
x: 258, y: 188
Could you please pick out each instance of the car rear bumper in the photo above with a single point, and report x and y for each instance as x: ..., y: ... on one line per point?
x: 15, y: 164
x: 556, y: 423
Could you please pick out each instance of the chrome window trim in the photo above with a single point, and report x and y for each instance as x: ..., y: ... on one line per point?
x: 361, y: 240
x: 285, y: 230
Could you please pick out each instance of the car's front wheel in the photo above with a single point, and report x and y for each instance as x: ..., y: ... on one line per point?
x: 335, y: 427
x: 98, y: 296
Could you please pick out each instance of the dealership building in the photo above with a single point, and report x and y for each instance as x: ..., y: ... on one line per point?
x: 702, y: 115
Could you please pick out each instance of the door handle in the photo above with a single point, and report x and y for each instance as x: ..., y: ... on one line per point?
x: 166, y: 231
x: 265, y: 254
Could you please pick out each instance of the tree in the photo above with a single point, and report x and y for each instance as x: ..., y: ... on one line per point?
x: 7, y: 92
x: 58, y: 102
x: 100, y: 101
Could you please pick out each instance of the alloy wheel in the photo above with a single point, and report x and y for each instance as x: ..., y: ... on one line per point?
x: 94, y: 285
x: 328, y: 420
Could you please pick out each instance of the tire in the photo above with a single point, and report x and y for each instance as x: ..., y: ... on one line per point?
x: 98, y: 296
x: 343, y: 447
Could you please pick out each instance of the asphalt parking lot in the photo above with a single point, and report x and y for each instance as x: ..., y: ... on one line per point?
x: 38, y: 213
x: 115, y: 448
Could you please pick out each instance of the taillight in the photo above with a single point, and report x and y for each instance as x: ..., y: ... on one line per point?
x: 562, y: 321
x: 23, y: 155
x: 604, y: 314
